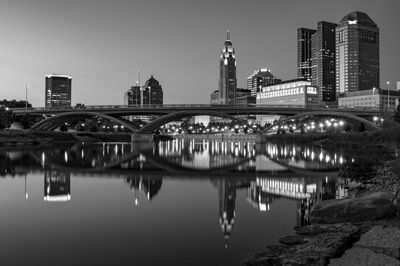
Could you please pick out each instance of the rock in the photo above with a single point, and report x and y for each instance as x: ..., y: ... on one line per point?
x: 365, y: 257
x: 316, y: 229
x: 381, y: 239
x: 292, y: 240
x: 313, y: 245
x: 370, y: 207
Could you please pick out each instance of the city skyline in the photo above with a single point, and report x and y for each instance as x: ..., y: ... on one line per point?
x: 179, y: 50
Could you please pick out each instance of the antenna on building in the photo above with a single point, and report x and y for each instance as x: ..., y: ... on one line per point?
x: 228, y: 35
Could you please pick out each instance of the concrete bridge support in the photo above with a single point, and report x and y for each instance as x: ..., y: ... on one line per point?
x: 142, y: 137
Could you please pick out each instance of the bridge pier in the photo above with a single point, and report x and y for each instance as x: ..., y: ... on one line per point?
x: 142, y: 137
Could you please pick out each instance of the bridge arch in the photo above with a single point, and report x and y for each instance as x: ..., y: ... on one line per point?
x: 157, y: 123
x: 52, y: 123
x: 368, y: 124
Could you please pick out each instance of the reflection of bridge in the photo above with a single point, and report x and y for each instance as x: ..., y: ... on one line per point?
x: 192, y: 158
x: 169, y: 113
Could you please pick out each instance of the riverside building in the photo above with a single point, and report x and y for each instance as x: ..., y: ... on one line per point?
x: 58, y: 91
x: 227, y: 73
x: 323, y: 61
x: 357, y: 53
x: 261, y: 78
x: 298, y: 92
x: 150, y: 93
x: 375, y: 98
x: 304, y: 53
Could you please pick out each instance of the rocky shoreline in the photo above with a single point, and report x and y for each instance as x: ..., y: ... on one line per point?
x: 362, y: 230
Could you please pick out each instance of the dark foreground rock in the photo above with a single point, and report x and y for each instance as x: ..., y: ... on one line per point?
x: 370, y: 207
x: 364, y: 257
x: 312, y: 245
x: 379, y: 246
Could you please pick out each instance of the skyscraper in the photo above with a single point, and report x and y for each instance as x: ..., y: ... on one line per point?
x: 152, y: 92
x: 261, y: 78
x: 58, y: 90
x: 323, y: 61
x: 133, y: 96
x: 304, y: 53
x: 357, y: 53
x: 227, y: 73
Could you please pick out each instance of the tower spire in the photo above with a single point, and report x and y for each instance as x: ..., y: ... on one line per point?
x: 228, y: 35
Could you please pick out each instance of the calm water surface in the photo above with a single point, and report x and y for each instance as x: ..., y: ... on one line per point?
x: 183, y: 202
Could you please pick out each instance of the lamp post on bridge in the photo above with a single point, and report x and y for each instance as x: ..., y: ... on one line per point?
x: 387, y: 87
x: 26, y: 96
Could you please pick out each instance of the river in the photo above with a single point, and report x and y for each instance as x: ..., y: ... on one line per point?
x: 182, y: 202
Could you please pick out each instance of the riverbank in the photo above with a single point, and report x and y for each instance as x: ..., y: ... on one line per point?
x: 30, y: 137
x: 361, y: 230
x: 381, y: 136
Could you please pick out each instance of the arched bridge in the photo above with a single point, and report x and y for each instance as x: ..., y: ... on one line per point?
x: 168, y: 113
x: 368, y: 124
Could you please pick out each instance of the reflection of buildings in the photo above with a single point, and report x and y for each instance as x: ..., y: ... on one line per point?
x: 226, y: 197
x: 149, y: 186
x: 57, y: 186
x: 203, y: 154
x: 304, y: 190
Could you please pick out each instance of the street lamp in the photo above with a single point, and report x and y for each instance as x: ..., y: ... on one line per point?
x: 373, y: 96
x: 387, y: 87
x: 26, y: 96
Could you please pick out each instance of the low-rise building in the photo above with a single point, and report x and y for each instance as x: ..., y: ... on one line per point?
x: 297, y: 92
x: 375, y: 98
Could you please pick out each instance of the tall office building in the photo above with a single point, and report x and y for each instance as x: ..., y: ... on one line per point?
x: 133, y: 96
x: 357, y: 53
x: 58, y: 91
x: 261, y: 78
x: 323, y: 61
x: 304, y: 53
x: 152, y: 92
x: 227, y: 73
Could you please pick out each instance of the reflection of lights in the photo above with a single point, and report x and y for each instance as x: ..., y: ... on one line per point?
x: 262, y: 207
x: 66, y: 156
x: 43, y: 159
x: 327, y: 158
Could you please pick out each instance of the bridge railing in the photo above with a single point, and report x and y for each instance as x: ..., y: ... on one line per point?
x: 189, y: 106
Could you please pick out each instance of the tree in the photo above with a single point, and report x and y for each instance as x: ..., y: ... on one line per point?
x: 27, y: 121
x: 396, y: 116
x: 361, y: 128
x: 6, y: 118
x: 63, y: 128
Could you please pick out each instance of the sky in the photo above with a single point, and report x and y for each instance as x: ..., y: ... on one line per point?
x: 104, y: 44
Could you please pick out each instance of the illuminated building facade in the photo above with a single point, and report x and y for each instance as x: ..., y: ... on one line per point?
x: 152, y: 92
x: 298, y: 92
x: 323, y: 61
x: 261, y: 78
x: 132, y: 96
x: 382, y: 99
x: 304, y: 53
x: 227, y: 73
x: 357, y: 53
x: 58, y: 91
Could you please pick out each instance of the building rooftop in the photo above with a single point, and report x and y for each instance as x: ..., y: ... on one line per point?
x: 357, y: 17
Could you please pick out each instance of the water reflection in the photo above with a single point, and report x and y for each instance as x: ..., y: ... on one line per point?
x: 57, y: 186
x: 268, y: 172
